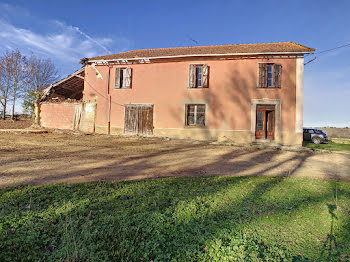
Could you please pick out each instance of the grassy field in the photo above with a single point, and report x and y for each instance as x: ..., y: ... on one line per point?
x: 332, y: 145
x: 178, y: 219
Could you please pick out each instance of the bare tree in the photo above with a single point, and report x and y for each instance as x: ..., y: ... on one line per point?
x: 5, y: 84
x: 2, y: 85
x: 18, y: 76
x: 12, y: 78
x: 40, y: 73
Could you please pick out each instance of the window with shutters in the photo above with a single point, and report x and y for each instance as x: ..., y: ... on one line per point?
x: 122, y: 78
x: 195, y: 115
x: 270, y: 75
x: 198, y: 76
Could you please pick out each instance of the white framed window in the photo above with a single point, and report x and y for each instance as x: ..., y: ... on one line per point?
x: 195, y: 115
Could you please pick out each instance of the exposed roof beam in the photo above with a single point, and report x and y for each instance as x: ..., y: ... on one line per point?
x: 81, y: 77
x: 70, y: 83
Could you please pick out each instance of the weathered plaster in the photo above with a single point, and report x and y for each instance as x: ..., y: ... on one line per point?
x: 299, y: 94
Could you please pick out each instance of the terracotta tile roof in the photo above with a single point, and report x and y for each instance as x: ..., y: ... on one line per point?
x: 215, y: 49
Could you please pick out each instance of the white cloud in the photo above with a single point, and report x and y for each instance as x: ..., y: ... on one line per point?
x: 64, y: 44
x: 67, y: 43
x: 7, y: 11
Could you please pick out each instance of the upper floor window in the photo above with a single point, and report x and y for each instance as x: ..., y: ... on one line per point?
x: 122, y: 77
x: 270, y: 75
x: 198, y: 76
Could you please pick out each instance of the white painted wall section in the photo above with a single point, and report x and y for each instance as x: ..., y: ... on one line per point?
x: 299, y: 94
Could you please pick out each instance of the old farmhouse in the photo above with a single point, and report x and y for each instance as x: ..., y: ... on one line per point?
x: 245, y: 93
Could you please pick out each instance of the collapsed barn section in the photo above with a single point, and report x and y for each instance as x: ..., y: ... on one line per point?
x: 62, y: 105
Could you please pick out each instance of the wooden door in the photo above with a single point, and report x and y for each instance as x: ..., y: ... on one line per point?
x: 130, y: 120
x: 138, y: 119
x: 270, y: 124
x: 265, y: 122
x: 260, y: 124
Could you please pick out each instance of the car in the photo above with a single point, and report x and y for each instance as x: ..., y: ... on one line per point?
x: 316, y: 136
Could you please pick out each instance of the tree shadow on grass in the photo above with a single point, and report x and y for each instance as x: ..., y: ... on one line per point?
x: 331, y: 249
x: 180, y: 219
x: 119, y: 224
x: 330, y: 245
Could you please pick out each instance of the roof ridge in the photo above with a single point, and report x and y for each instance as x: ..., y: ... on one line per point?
x: 210, y: 49
x: 201, y: 46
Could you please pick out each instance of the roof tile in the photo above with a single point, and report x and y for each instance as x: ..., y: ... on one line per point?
x: 216, y: 49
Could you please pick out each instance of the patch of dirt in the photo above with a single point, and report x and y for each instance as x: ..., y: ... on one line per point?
x: 67, y: 157
x: 15, y: 124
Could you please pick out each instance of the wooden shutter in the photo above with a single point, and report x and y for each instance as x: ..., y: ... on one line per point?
x: 205, y: 70
x: 127, y: 79
x: 262, y: 75
x: 192, y: 76
x: 117, y: 78
x: 277, y: 71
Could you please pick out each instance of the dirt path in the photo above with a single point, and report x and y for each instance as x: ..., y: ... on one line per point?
x: 50, y: 158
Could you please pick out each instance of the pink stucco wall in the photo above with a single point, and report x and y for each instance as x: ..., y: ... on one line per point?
x: 232, y: 85
x: 57, y: 115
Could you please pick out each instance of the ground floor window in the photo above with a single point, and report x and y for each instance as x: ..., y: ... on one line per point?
x: 195, y: 115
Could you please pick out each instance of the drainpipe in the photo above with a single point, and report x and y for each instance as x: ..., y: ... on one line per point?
x: 109, y: 103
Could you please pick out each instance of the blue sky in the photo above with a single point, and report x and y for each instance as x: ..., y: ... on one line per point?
x: 66, y: 31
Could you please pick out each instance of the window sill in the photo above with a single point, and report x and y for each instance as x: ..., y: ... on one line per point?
x: 124, y: 88
x: 268, y: 87
x: 195, y: 126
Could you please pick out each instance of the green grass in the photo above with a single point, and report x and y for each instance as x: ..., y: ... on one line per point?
x: 341, y: 140
x: 331, y: 145
x: 178, y: 219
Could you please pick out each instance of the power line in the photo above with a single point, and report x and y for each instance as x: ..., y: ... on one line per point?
x: 102, y: 94
x: 193, y: 40
x: 335, y: 48
x: 324, y: 51
x: 313, y: 59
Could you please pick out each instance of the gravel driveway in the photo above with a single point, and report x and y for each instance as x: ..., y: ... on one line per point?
x: 50, y: 158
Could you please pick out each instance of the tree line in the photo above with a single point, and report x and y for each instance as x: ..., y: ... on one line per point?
x: 23, y: 77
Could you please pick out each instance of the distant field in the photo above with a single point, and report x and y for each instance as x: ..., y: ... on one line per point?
x: 19, y: 124
x: 334, y: 132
